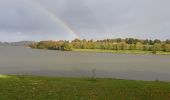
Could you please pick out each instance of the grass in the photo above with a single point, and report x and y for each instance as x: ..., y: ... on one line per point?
x: 120, y: 51
x: 53, y: 88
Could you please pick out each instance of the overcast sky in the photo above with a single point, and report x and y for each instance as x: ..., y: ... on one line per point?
x: 92, y: 19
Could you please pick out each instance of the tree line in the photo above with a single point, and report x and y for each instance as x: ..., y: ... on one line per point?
x: 106, y: 44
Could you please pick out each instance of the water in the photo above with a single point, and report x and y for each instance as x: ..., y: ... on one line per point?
x: 21, y: 60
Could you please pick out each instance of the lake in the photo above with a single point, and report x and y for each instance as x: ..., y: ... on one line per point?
x: 27, y: 61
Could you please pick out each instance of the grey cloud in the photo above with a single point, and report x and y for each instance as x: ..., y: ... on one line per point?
x: 88, y: 18
x: 20, y: 16
x: 116, y: 16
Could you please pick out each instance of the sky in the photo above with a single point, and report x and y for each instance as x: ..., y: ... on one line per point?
x: 90, y: 19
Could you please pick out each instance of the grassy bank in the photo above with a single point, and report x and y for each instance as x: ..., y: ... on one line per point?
x: 51, y: 88
x: 121, y: 51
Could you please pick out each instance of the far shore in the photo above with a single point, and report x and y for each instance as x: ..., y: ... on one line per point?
x: 113, y: 51
x: 121, y: 51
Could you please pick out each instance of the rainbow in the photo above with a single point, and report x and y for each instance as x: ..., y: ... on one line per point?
x: 56, y: 19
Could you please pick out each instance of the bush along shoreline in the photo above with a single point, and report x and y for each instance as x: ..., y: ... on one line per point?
x: 128, y: 44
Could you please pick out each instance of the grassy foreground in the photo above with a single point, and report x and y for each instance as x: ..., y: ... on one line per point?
x: 121, y: 51
x: 52, y: 88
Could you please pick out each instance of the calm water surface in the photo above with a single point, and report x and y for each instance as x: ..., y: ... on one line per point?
x: 20, y: 60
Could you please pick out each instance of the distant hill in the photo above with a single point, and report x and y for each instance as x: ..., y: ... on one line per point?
x: 20, y: 43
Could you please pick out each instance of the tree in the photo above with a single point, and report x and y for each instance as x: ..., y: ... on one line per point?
x: 151, y: 42
x: 123, y: 46
x: 114, y: 46
x: 106, y: 44
x: 132, y: 47
x: 139, y: 46
x: 146, y: 47
x: 167, y: 41
x: 131, y: 40
x: 154, y: 51
x: 157, y: 46
x: 118, y: 46
x: 156, y: 41
x: 66, y: 47
x: 33, y: 45
x: 42, y: 45
x: 76, y: 40
x: 77, y: 43
x: 118, y: 40
x: 167, y: 47
x: 146, y: 41
x: 103, y: 46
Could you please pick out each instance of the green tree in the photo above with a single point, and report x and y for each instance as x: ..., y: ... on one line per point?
x: 156, y: 41
x: 167, y: 48
x: 124, y: 46
x: 157, y: 47
x: 77, y: 43
x: 151, y: 42
x: 146, y: 41
x: 167, y: 41
x: 66, y: 47
x: 139, y: 46
x: 154, y: 51
x: 132, y: 47
x: 146, y: 47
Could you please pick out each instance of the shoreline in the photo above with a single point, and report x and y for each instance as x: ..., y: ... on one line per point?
x: 121, y: 51
x: 111, y: 51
